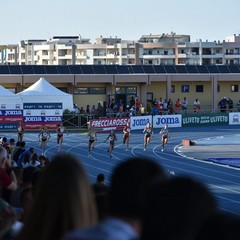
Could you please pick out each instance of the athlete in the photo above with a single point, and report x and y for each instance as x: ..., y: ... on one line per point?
x: 148, y: 133
x: 43, y: 137
x: 92, y: 138
x: 165, y: 135
x: 112, y: 139
x: 60, y: 131
x: 126, y: 135
x: 20, y: 131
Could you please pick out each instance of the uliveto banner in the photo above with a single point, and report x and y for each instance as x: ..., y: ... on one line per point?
x: 205, y: 119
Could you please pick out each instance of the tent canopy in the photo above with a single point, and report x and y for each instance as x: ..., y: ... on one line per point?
x: 9, y: 100
x: 44, y: 92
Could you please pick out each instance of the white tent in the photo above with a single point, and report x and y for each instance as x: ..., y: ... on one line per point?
x: 9, y: 100
x: 43, y: 92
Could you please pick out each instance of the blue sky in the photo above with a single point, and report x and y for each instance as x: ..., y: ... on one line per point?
x: 127, y: 19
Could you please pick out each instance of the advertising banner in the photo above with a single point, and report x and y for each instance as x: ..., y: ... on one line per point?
x: 205, y: 119
x: 234, y: 118
x: 109, y: 123
x: 171, y: 120
x: 9, y: 119
x: 35, y: 115
x: 140, y: 122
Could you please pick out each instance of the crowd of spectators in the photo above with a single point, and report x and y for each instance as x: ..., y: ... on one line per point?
x: 158, y: 106
x: 142, y: 202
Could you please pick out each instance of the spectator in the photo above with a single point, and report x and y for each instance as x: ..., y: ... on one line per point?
x: 142, y: 109
x: 170, y: 106
x: 223, y: 104
x: 93, y: 109
x: 160, y: 105
x: 238, y: 105
x: 19, y: 151
x: 28, y: 152
x: 197, y: 106
x: 26, y: 182
x: 75, y: 108
x: 177, y: 106
x: 149, y: 107
x: 82, y: 111
x: 175, y: 209
x: 100, y: 179
x: 155, y: 110
x: 101, y: 193
x: 230, y: 104
x: 8, y: 178
x: 62, y: 201
x: 88, y: 111
x: 11, y: 145
x: 34, y: 162
x: 137, y: 103
x: 220, y: 226
x: 165, y: 107
x: 128, y: 183
x: 184, y: 105
x: 132, y: 102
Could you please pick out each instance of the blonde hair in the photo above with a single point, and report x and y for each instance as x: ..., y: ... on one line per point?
x: 63, y: 201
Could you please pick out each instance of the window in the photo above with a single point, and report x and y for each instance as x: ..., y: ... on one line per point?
x: 89, y: 90
x: 185, y: 88
x: 234, y: 88
x: 80, y: 90
x: 172, y: 89
x: 97, y: 90
x: 218, y: 88
x: 199, y: 88
x: 132, y: 90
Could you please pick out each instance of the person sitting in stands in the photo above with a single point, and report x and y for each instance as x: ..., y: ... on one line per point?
x: 128, y: 182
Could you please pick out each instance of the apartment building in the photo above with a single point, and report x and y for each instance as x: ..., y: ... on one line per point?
x: 165, y: 65
x: 162, y: 49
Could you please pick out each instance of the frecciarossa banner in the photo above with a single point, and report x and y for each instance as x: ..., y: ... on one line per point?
x: 109, y: 123
x: 9, y: 119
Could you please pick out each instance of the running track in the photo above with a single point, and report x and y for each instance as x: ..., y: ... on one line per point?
x: 223, y: 181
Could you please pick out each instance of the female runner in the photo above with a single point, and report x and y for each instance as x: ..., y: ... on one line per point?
x: 126, y: 135
x: 60, y: 131
x: 20, y: 131
x: 112, y: 139
x: 43, y: 137
x: 92, y: 138
x: 165, y: 135
x: 148, y: 133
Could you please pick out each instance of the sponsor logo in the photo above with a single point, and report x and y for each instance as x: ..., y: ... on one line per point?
x: 167, y: 120
x: 52, y: 119
x: 235, y: 119
x: 112, y: 122
x: 13, y: 112
x: 32, y: 119
x: 140, y: 122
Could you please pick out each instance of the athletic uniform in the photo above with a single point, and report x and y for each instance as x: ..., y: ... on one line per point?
x: 45, y: 135
x: 126, y: 133
x: 92, y: 137
x: 60, y: 132
x: 148, y: 132
x: 165, y: 133
x: 20, y: 131
x: 112, y: 138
